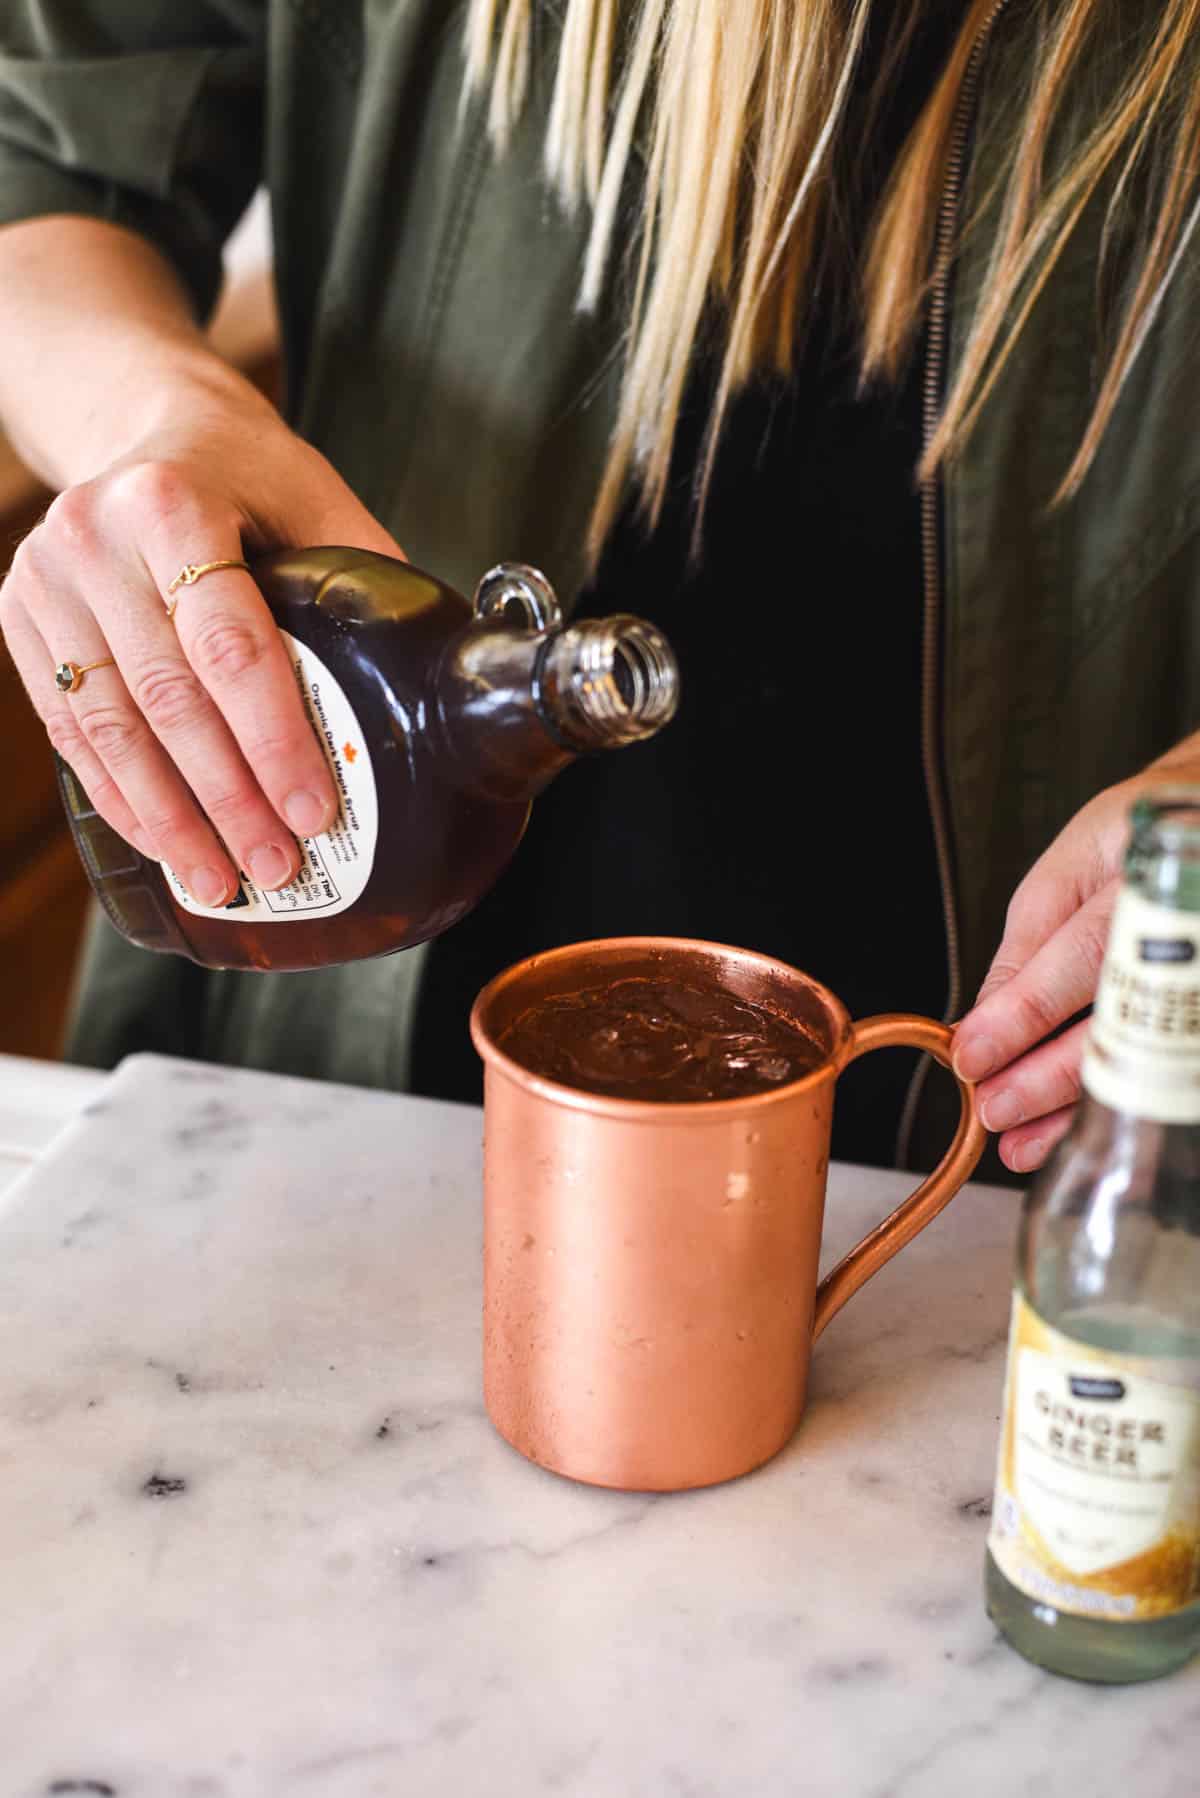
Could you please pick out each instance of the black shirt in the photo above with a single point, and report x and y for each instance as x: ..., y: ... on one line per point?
x: 784, y: 809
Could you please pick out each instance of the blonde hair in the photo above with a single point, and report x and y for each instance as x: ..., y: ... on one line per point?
x: 740, y: 105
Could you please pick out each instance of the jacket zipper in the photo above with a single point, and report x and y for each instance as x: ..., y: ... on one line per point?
x: 931, y: 495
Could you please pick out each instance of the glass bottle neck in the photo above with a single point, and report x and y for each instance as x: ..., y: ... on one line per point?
x: 606, y: 682
x: 517, y: 706
x: 1143, y: 1048
x: 1162, y: 863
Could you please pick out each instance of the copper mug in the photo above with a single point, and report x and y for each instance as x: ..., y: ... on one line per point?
x: 650, y: 1269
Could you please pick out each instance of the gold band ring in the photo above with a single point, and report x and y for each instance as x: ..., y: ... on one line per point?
x: 191, y: 572
x: 68, y: 676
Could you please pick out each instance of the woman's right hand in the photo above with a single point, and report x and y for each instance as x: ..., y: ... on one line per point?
x: 195, y: 746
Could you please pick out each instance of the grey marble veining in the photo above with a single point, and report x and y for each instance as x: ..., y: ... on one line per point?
x: 258, y: 1540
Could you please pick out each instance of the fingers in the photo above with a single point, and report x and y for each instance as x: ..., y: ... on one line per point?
x: 1026, y: 1149
x: 1082, y: 859
x: 180, y: 763
x: 126, y: 773
x: 1054, y: 889
x: 222, y: 659
x: 195, y: 745
x: 1058, y: 980
x: 35, y: 668
x: 1042, y: 1085
x: 1045, y: 972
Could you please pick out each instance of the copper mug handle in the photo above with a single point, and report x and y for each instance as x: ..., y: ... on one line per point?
x: 903, y: 1030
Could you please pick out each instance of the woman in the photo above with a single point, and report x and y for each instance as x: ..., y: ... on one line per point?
x: 1010, y: 657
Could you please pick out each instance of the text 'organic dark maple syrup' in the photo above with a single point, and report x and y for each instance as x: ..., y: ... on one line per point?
x: 440, y: 723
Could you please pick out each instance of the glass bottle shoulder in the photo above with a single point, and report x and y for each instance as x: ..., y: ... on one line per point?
x: 1109, y: 1246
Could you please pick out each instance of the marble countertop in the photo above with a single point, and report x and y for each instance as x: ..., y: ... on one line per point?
x: 37, y: 1098
x: 258, y: 1539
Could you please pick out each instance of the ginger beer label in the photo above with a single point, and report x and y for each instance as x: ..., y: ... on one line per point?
x: 1097, y: 1508
x: 335, y: 866
x: 1143, y: 1052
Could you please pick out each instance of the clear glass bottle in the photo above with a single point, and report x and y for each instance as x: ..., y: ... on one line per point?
x: 1093, y: 1563
x: 440, y: 723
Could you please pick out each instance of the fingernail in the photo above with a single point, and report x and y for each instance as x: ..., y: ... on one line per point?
x: 1002, y: 1111
x: 208, y: 886
x: 1028, y: 1155
x: 269, y: 866
x: 306, y: 813
x: 975, y: 1058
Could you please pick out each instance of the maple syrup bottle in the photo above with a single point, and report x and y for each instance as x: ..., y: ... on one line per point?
x: 440, y: 722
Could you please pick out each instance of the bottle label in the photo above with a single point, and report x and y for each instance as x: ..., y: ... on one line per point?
x: 336, y: 865
x: 1143, y: 1051
x: 1097, y: 1507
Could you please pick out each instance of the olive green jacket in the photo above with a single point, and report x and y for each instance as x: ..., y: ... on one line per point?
x: 434, y: 353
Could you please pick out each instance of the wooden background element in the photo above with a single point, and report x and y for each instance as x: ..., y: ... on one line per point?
x: 43, y: 890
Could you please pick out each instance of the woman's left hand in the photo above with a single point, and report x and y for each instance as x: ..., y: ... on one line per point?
x: 1047, y: 968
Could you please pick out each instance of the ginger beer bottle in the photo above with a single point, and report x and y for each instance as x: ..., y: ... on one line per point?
x: 1093, y: 1564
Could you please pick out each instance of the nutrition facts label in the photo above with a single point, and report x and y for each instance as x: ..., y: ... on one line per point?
x: 315, y: 887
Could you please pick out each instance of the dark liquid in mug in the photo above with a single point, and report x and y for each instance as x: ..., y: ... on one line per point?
x: 662, y: 1038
